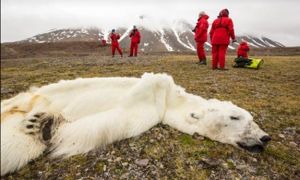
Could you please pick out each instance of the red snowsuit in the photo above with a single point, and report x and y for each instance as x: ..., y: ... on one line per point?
x: 115, y: 44
x: 135, y: 40
x: 220, y: 34
x: 201, y: 36
x: 103, y: 42
x: 243, y: 50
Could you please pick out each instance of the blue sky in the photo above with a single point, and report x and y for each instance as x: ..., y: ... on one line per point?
x: 276, y: 19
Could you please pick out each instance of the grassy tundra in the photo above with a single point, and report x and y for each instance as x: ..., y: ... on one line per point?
x: 271, y: 94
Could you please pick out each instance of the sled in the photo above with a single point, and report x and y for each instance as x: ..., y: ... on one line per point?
x: 252, y: 63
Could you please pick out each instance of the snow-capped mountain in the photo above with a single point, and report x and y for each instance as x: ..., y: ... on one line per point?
x: 175, y: 37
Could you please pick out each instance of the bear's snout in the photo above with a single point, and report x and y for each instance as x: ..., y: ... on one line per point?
x: 265, y: 139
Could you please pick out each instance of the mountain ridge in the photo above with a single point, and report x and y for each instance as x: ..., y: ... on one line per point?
x: 178, y: 37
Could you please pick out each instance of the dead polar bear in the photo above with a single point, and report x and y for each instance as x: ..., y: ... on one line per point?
x: 76, y: 116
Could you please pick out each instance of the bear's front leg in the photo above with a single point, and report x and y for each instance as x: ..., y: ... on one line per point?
x: 41, y: 126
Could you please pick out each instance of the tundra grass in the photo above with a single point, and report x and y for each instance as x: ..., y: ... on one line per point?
x: 271, y: 94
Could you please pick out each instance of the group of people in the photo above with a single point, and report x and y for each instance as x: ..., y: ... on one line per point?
x: 135, y: 37
x: 221, y: 32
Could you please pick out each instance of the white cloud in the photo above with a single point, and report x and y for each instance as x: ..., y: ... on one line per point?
x: 276, y: 19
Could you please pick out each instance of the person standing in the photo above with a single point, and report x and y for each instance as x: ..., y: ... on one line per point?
x: 114, y: 43
x: 201, y: 36
x: 135, y: 40
x: 221, y: 32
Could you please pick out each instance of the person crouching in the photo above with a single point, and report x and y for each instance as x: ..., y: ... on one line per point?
x: 243, y: 50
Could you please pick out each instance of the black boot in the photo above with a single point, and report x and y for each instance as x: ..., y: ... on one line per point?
x: 203, y: 62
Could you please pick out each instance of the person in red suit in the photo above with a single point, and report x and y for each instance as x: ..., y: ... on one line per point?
x: 243, y: 50
x: 114, y: 43
x: 221, y: 32
x: 135, y: 40
x: 201, y: 36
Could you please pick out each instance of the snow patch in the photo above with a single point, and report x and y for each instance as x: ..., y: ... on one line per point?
x: 231, y: 47
x: 207, y: 43
x: 125, y: 34
x: 190, y: 44
x: 182, y: 43
x: 251, y: 44
x: 255, y: 42
x: 162, y: 39
x: 265, y: 41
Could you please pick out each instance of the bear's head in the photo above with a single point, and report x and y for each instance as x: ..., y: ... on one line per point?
x: 218, y: 120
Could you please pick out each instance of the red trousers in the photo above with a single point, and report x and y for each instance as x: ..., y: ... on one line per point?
x: 218, y: 55
x: 133, y: 49
x: 113, y: 49
x: 200, y: 51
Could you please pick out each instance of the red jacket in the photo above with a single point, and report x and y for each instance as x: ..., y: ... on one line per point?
x: 135, y: 36
x: 243, y: 50
x: 114, y: 38
x: 222, y: 30
x: 201, y: 29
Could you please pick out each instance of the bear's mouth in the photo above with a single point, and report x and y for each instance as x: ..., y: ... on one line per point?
x: 256, y: 148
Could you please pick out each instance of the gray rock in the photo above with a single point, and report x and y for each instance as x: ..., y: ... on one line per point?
x: 293, y: 144
x: 281, y: 136
x: 142, y: 162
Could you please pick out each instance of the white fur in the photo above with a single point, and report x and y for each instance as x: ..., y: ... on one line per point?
x: 99, y: 111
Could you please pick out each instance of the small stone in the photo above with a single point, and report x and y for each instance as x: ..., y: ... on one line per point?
x: 118, y: 159
x: 125, y: 164
x: 151, y: 141
x: 208, y: 163
x: 281, y: 135
x: 104, y: 168
x: 293, y: 144
x: 225, y: 165
x: 142, y: 162
x: 241, y: 167
x: 113, y: 152
x: 161, y: 166
x: 198, y: 137
x: 124, y: 176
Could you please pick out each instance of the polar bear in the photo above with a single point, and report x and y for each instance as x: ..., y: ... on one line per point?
x: 76, y: 116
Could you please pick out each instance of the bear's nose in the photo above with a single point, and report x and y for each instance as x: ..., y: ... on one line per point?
x: 265, y: 139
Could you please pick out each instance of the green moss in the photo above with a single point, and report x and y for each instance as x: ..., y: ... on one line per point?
x: 99, y: 167
x: 187, y: 140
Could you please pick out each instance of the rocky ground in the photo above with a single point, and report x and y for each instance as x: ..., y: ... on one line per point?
x: 271, y: 94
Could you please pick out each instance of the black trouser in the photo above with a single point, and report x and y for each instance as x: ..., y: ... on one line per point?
x: 242, y: 62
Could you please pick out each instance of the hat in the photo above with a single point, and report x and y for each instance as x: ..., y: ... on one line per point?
x: 202, y: 13
x: 113, y: 30
x: 224, y: 13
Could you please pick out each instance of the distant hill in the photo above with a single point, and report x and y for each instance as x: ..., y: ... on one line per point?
x: 177, y: 37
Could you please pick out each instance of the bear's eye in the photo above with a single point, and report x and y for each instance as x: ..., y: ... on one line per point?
x: 234, y: 118
x: 194, y: 116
